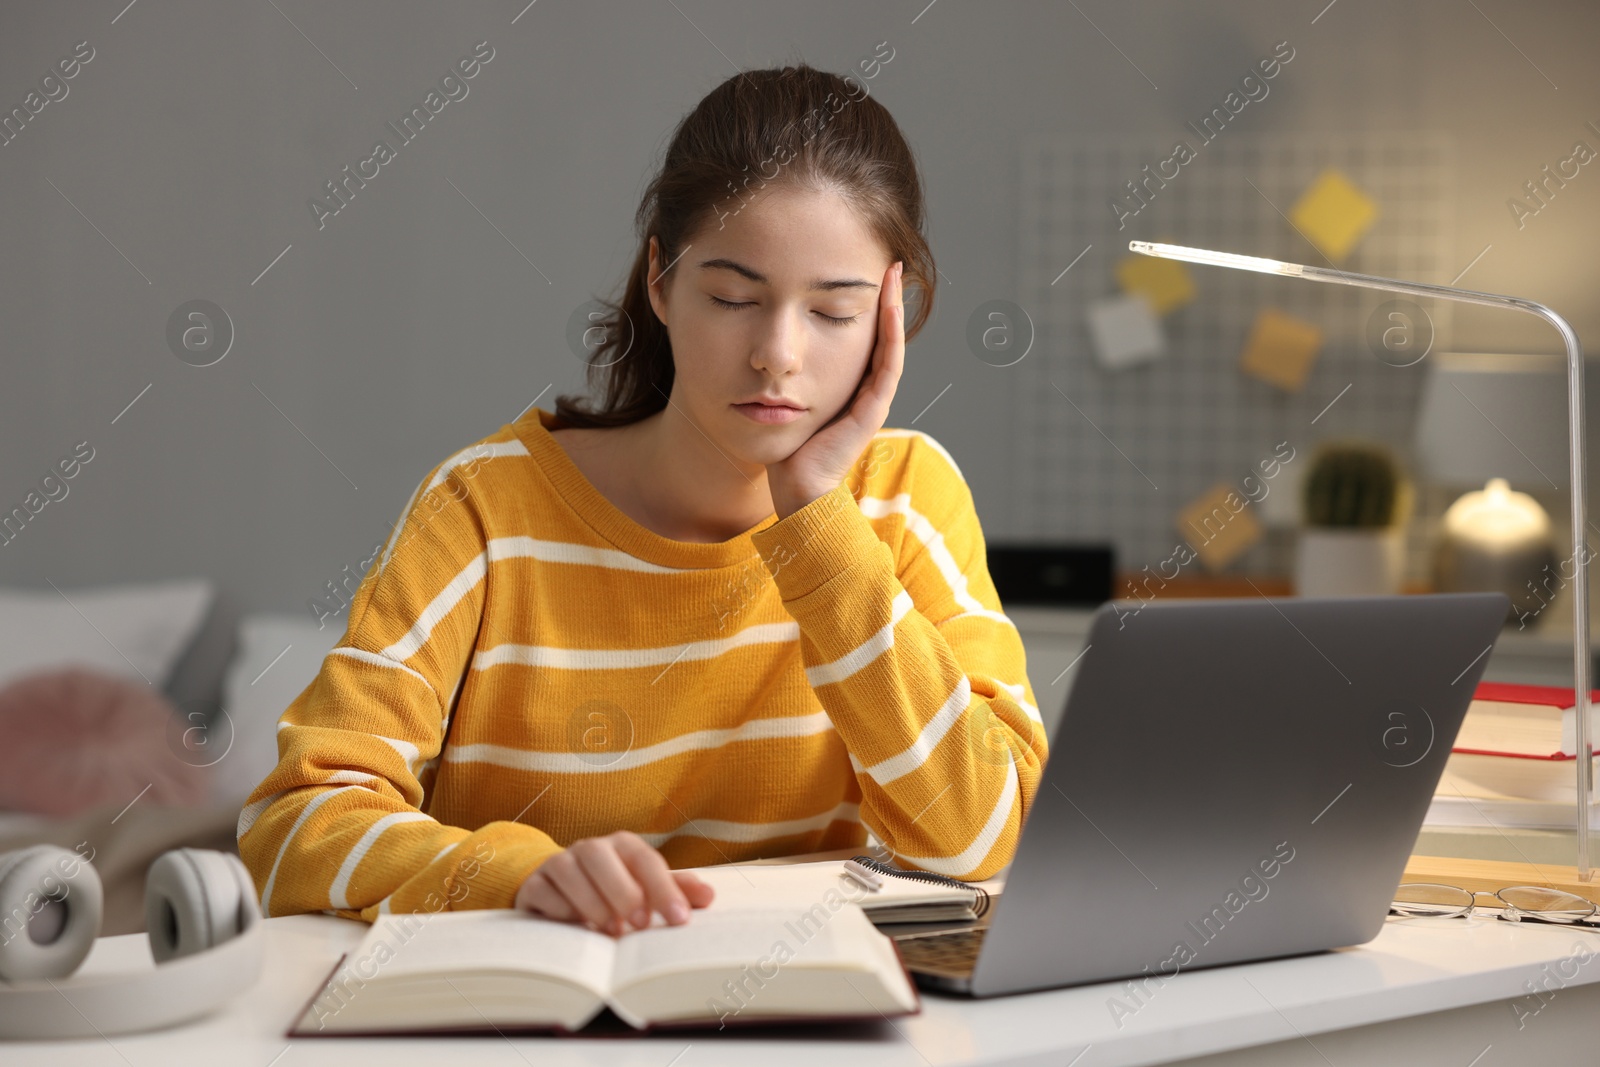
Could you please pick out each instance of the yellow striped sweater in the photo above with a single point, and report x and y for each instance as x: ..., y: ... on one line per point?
x: 525, y: 665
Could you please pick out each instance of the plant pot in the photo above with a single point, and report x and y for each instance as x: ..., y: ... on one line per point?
x: 1338, y: 561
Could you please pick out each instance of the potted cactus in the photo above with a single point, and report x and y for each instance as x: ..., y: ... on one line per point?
x: 1356, y: 503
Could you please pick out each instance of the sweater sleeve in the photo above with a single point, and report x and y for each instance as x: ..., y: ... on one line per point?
x: 920, y: 672
x: 337, y: 825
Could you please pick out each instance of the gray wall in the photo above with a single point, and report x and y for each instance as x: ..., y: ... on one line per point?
x: 180, y: 163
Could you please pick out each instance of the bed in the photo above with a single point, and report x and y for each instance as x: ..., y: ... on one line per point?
x: 136, y: 718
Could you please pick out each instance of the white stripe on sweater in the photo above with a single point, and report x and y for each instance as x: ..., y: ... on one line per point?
x: 1019, y: 694
x: 405, y: 749
x: 504, y: 548
x: 746, y: 832
x: 864, y: 653
x: 929, y: 441
x: 305, y: 813
x: 600, y: 762
x: 341, y: 881
x: 601, y: 659
x: 874, y: 507
x: 483, y: 450
x: 248, y: 817
x: 440, y: 606
x: 566, y: 552
x: 377, y: 659
x: 386, y: 905
x: 916, y: 754
x: 969, y: 858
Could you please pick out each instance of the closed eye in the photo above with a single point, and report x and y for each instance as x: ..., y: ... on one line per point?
x: 734, y: 307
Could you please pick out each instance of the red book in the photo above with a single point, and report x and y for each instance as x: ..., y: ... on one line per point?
x: 1519, y: 741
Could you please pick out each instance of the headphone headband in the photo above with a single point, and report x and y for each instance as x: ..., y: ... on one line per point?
x: 208, y: 944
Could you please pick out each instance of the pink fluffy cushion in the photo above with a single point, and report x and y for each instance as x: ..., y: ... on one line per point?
x: 75, y: 738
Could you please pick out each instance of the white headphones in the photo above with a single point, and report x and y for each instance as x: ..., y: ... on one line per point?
x: 205, y: 936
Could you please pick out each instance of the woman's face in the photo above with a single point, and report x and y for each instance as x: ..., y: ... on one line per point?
x: 803, y: 276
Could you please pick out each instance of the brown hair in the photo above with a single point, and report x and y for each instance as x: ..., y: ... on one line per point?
x: 819, y: 132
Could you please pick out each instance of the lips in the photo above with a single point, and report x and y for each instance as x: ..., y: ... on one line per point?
x: 768, y: 413
x: 772, y: 402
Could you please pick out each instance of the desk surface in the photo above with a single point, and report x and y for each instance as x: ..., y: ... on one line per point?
x: 1413, y: 967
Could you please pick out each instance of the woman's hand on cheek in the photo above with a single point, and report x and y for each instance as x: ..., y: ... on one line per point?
x: 817, y: 466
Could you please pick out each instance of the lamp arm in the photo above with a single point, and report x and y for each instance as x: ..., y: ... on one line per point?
x: 1578, y: 462
x: 1581, y: 659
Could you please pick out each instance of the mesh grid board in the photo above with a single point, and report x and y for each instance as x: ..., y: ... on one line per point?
x: 1114, y: 454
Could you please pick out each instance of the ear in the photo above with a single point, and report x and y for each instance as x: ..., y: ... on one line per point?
x: 655, y: 284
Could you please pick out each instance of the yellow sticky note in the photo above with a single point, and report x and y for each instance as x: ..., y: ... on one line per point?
x: 1163, y: 282
x: 1333, y: 214
x: 1281, y: 349
x: 1219, y: 526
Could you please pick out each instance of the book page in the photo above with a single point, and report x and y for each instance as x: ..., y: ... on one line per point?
x: 731, y: 938
x: 469, y: 1003
x: 457, y: 943
x: 772, y: 962
x: 1519, y: 729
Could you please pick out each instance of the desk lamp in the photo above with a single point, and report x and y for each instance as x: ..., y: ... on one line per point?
x: 1575, y: 445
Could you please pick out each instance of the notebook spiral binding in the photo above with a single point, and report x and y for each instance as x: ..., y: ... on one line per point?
x: 879, y: 866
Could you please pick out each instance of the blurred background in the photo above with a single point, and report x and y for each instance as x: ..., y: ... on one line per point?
x: 433, y: 308
x: 1101, y: 406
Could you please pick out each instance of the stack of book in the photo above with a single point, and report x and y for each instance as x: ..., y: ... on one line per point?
x: 1512, y: 764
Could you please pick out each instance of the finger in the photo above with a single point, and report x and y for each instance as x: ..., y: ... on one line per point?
x: 888, y: 356
x: 897, y: 333
x: 650, y: 868
x: 612, y: 877
x: 699, y: 894
x: 539, y: 895
x: 866, y: 397
x: 893, y: 309
x: 869, y: 402
x: 573, y: 882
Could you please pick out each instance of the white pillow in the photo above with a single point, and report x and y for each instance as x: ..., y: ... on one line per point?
x: 289, y: 649
x: 134, y: 630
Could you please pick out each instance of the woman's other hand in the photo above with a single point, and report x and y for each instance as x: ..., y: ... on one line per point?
x: 609, y: 882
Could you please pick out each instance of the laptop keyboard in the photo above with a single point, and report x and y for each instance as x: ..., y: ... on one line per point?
x: 953, y: 953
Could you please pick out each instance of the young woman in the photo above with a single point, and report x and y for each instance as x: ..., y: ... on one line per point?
x: 723, y: 614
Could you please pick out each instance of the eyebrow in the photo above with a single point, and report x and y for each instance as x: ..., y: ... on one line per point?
x: 818, y: 285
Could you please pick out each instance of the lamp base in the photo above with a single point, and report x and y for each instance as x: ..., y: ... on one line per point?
x: 1527, y: 575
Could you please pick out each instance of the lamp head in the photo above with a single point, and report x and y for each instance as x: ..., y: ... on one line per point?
x: 1216, y: 259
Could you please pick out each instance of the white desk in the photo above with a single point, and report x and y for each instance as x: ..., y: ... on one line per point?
x: 1424, y: 992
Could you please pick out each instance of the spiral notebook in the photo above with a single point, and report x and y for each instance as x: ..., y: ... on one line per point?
x: 899, y: 895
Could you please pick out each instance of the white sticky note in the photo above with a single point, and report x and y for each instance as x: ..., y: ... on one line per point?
x: 1125, y: 331
x: 1280, y: 508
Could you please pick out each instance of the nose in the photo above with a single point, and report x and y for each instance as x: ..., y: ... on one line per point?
x: 777, y: 345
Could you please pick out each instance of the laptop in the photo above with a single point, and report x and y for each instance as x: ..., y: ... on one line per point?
x: 1230, y: 780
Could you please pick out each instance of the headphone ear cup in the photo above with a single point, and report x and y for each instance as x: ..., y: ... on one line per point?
x: 194, y: 901
x: 48, y: 925
x: 249, y: 903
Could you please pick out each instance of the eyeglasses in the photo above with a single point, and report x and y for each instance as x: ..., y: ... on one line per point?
x: 1518, y: 903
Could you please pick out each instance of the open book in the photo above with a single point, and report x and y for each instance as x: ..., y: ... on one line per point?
x: 509, y: 970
